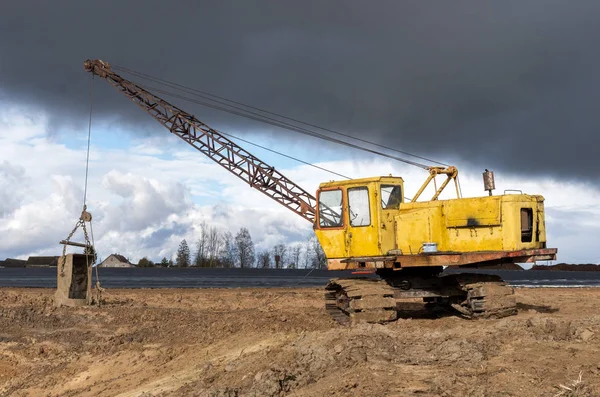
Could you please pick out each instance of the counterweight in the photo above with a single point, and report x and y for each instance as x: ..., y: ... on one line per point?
x: 220, y: 149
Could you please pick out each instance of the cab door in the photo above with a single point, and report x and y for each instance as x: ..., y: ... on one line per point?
x: 363, y: 232
x: 331, y: 222
x: 389, y: 200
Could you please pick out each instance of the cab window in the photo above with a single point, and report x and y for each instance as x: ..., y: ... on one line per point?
x: 391, y: 196
x: 330, y: 208
x: 358, y: 204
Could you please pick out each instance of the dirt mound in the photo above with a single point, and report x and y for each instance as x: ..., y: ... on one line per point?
x: 588, y: 267
x: 278, y: 342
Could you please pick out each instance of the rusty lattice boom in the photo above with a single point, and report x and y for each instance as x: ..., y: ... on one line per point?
x: 222, y: 150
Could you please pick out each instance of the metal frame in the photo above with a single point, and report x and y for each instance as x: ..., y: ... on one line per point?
x: 398, y: 262
x: 371, y: 217
x: 322, y: 215
x: 451, y: 173
x: 223, y: 151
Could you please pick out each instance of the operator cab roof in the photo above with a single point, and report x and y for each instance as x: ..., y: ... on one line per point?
x: 363, y: 181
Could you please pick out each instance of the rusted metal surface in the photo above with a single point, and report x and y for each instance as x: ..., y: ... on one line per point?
x: 466, y: 258
x: 223, y: 151
x: 488, y: 181
x: 386, y: 258
x: 90, y: 251
x: 447, y: 259
x: 74, y: 281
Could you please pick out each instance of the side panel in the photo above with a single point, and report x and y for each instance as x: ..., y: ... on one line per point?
x: 541, y: 220
x: 518, y: 222
x: 480, y: 238
x: 496, y: 223
x: 473, y: 212
x: 474, y: 224
x: 415, y: 226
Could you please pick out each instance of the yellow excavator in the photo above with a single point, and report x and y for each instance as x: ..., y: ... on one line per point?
x: 367, y: 226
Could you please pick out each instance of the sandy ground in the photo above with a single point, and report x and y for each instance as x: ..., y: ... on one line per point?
x: 275, y: 342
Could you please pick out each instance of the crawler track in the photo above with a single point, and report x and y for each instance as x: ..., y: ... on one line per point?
x: 475, y: 296
x: 487, y: 297
x: 355, y: 300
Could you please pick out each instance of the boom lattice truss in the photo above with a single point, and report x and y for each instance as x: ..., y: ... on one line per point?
x: 222, y: 150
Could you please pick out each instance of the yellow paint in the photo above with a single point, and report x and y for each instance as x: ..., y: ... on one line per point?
x: 488, y: 223
x: 387, y: 222
x: 360, y: 241
x: 335, y: 241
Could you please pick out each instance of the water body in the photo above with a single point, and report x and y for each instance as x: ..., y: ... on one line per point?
x: 266, y: 278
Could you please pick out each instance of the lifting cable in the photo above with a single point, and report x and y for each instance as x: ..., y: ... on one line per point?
x: 87, y: 157
x: 237, y: 110
x: 164, y: 82
x: 87, y: 166
x: 277, y: 123
x: 241, y: 109
x: 283, y: 154
x: 287, y: 126
x: 89, y: 246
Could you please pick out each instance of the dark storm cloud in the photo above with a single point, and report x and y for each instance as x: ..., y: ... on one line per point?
x: 510, y: 84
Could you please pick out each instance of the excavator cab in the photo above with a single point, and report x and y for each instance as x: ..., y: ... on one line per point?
x: 355, y: 218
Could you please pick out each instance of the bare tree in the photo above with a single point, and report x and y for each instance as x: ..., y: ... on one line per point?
x: 264, y: 259
x: 201, y: 245
x: 244, y: 248
x: 315, y: 254
x: 214, y: 243
x: 295, y: 252
x: 227, y: 254
x: 279, y: 252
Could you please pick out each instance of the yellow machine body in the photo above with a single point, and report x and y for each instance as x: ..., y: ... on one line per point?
x: 367, y: 223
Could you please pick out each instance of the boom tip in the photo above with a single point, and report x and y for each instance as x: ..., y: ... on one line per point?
x: 92, y: 65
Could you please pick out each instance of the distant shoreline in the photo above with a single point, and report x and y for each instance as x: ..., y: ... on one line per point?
x: 563, y: 267
x: 568, y: 267
x: 51, y: 262
x: 507, y: 266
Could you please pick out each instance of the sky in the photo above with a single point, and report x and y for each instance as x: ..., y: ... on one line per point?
x: 509, y: 86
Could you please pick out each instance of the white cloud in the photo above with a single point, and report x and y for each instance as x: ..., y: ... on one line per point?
x: 148, y: 195
x: 145, y: 202
x: 13, y: 187
x: 39, y: 221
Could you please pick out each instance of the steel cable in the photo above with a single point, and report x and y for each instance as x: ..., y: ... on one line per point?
x: 270, y: 120
x: 283, y: 125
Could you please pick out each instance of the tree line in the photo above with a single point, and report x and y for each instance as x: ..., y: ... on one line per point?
x: 217, y: 249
